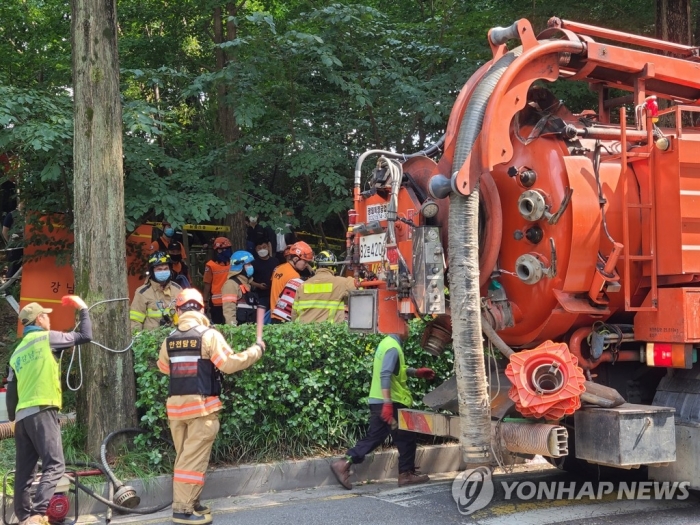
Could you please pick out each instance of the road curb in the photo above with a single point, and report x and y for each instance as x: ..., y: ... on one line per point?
x: 251, y: 479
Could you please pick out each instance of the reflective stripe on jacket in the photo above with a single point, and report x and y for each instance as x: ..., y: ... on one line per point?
x: 285, y: 304
x: 151, y: 302
x: 214, y: 348
x: 190, y: 374
x: 322, y: 298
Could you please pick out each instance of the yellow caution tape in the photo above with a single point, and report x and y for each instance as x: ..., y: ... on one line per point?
x: 38, y: 300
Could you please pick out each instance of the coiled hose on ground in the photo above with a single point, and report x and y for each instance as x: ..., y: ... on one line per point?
x: 112, y: 479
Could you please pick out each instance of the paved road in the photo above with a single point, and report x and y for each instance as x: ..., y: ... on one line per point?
x: 433, y: 504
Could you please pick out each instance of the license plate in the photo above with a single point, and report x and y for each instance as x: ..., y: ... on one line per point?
x: 372, y: 248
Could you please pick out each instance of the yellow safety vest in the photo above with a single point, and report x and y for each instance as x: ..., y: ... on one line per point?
x: 38, y: 372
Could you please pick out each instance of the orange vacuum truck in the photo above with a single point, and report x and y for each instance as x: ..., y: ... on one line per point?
x: 586, y: 229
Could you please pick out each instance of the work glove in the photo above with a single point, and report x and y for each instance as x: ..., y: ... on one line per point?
x: 388, y: 413
x: 425, y: 373
x: 74, y: 301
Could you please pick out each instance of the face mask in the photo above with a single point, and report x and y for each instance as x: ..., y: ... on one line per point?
x: 176, y: 258
x: 162, y: 276
x: 169, y: 232
x: 263, y: 253
x: 249, y: 271
x: 224, y: 256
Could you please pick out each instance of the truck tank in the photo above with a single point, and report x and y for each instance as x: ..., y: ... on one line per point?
x: 589, y: 226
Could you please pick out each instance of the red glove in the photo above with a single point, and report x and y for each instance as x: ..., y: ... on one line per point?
x: 425, y: 373
x: 74, y: 301
x: 388, y: 412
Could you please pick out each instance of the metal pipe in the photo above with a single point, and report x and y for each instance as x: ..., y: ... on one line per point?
x: 428, y: 152
x: 626, y: 38
x: 576, y: 341
x: 632, y: 135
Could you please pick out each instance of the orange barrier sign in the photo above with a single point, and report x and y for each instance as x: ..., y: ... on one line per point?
x: 45, y: 281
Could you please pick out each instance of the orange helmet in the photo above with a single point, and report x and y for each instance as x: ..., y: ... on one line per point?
x: 221, y: 242
x: 189, y: 295
x: 303, y: 251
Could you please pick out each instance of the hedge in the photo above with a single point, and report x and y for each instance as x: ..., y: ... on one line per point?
x: 307, y: 395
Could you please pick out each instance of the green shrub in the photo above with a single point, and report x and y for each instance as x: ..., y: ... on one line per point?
x: 307, y: 395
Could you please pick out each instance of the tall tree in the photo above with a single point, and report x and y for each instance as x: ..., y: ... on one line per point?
x: 226, y: 18
x: 107, y: 400
x: 673, y: 22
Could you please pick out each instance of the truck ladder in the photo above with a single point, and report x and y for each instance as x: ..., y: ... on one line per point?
x: 648, y: 216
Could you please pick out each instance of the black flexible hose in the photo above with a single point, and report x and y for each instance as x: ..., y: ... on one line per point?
x: 124, y: 510
x: 104, y: 468
x: 103, y: 452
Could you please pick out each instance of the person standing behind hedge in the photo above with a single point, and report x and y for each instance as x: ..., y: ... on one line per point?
x: 194, y: 356
x: 388, y: 392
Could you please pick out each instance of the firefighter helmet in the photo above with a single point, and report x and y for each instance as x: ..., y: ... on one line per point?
x: 303, y: 251
x: 239, y: 259
x: 221, y: 242
x: 189, y: 295
x: 326, y: 258
x: 157, y: 259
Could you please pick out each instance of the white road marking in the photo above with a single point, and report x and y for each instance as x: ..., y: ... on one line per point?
x: 403, y: 495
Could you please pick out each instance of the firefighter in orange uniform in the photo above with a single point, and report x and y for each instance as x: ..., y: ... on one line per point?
x: 300, y: 255
x: 239, y: 300
x: 194, y: 356
x: 215, y: 275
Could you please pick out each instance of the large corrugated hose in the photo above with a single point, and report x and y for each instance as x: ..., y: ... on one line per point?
x: 543, y: 439
x: 465, y: 302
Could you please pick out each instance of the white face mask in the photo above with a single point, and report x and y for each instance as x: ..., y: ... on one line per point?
x: 263, y: 253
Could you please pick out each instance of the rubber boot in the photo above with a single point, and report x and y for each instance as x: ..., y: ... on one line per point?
x: 341, y: 470
x: 412, y: 477
x: 201, y: 509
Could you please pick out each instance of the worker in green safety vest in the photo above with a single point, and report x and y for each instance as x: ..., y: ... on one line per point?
x: 388, y: 393
x: 33, y: 400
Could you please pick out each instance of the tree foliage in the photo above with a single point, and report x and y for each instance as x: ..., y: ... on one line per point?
x: 311, y: 85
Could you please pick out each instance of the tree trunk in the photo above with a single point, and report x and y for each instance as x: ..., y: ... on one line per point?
x: 227, y: 124
x: 107, y: 399
x: 673, y: 22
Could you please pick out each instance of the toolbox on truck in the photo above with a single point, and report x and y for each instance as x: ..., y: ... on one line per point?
x: 626, y: 436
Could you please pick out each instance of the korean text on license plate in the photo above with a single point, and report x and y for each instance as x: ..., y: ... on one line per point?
x: 372, y: 248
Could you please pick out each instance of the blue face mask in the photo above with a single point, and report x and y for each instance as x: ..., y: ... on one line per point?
x: 249, y: 271
x: 169, y: 232
x: 161, y: 276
